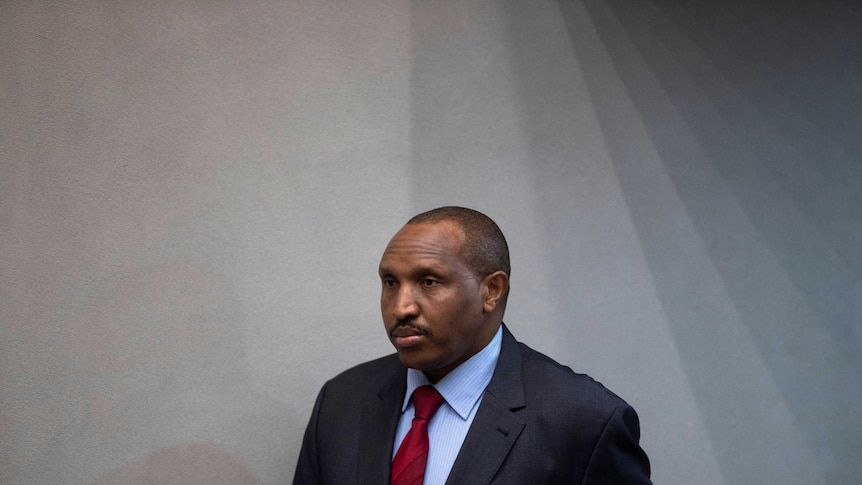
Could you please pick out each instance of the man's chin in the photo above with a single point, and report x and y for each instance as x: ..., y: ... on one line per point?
x: 409, y: 359
x: 432, y: 369
x: 413, y: 360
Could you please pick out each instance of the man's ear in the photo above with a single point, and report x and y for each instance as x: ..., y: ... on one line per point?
x: 494, y: 288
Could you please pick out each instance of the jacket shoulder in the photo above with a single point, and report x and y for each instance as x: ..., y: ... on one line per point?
x: 368, y: 375
x: 547, y: 379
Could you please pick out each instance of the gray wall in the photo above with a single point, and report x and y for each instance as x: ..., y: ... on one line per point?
x: 194, y: 197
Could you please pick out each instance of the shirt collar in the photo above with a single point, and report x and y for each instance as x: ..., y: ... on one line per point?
x: 463, y: 386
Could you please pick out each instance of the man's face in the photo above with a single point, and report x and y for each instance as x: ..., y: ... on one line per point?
x: 432, y: 304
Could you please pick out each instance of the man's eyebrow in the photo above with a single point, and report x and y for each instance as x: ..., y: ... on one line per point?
x: 433, y: 270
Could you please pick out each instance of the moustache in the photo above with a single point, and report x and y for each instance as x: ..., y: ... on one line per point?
x: 411, y: 324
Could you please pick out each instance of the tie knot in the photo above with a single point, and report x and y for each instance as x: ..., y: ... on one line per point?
x: 426, y: 400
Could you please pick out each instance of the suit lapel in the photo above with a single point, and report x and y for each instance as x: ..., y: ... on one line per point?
x: 380, y: 413
x: 496, y: 428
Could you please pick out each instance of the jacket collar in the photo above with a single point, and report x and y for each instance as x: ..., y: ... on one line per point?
x: 497, y: 426
x: 380, y: 413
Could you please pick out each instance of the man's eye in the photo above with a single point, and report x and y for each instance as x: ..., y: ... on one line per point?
x: 388, y: 282
x: 429, y: 282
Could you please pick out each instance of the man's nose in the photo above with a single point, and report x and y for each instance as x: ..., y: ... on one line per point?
x: 405, y: 304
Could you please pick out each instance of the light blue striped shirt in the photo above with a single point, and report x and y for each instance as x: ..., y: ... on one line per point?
x: 462, y: 391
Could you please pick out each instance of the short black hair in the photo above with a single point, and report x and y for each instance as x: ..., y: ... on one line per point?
x: 485, y: 250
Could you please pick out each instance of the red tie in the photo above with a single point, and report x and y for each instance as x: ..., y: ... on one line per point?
x: 408, y: 467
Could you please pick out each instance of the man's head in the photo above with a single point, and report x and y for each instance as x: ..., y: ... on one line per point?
x: 445, y: 278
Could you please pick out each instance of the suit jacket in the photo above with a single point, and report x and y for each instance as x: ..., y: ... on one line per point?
x: 538, y: 423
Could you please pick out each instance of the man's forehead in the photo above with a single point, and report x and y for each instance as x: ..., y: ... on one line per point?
x: 424, y: 241
x: 442, y: 232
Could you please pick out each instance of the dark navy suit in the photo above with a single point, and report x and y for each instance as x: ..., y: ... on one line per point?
x: 538, y: 423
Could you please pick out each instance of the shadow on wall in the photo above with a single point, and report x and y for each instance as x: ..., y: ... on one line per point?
x: 186, y: 464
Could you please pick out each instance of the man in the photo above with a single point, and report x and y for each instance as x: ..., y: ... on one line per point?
x: 507, y: 415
